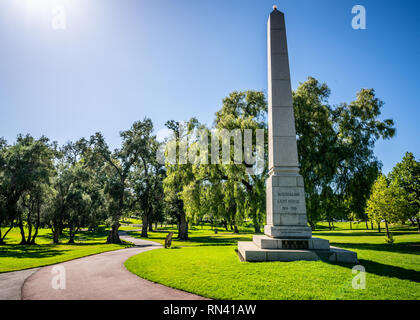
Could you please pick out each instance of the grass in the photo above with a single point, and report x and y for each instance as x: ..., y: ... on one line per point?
x: 15, y: 257
x: 131, y: 221
x: 211, y: 267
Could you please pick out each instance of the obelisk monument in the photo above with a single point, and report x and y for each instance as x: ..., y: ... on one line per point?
x: 287, y: 234
x: 286, y: 210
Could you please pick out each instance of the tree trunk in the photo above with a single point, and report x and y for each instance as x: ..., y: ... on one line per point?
x: 257, y: 228
x: 28, y: 240
x: 379, y: 226
x: 225, y: 225
x: 418, y: 224
x: 351, y: 226
x: 71, y: 235
x: 183, y: 227
x: 4, y: 236
x: 38, y: 220
x: 235, y: 229
x: 312, y: 225
x: 413, y: 224
x: 29, y: 233
x: 144, y: 226
x: 150, y: 225
x: 113, y: 236
x: 22, y: 233
x: 387, y: 229
x: 371, y: 224
x: 367, y: 226
x: 56, y: 235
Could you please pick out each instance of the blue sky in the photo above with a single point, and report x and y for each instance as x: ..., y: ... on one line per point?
x: 119, y: 61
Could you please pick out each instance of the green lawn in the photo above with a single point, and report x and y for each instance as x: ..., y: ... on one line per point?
x: 18, y: 257
x: 209, y: 266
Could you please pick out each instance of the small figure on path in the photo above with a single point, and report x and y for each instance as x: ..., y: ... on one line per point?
x: 168, y: 240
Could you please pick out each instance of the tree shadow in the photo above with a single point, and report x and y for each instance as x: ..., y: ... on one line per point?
x: 370, y: 233
x: 217, y: 240
x: 401, y: 247
x: 384, y: 270
x: 222, y: 239
x: 33, y: 251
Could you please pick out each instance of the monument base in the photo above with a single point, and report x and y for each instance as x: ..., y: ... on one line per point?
x: 264, y: 248
x: 288, y: 232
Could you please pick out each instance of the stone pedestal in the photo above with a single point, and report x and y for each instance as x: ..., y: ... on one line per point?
x: 287, y: 235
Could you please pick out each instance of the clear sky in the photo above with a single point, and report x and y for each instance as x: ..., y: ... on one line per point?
x: 118, y: 61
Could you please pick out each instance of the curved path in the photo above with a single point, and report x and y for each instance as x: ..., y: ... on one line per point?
x: 101, y: 277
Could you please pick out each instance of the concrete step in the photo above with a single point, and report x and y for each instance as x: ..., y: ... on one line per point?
x: 249, y: 251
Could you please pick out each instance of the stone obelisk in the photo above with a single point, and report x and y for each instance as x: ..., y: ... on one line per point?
x: 287, y: 235
x: 286, y: 210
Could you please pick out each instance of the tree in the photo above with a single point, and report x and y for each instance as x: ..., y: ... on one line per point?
x: 244, y: 111
x: 178, y: 174
x: 384, y: 202
x: 32, y: 208
x: 119, y: 163
x: 26, y: 165
x: 406, y: 176
x: 146, y: 182
x: 335, y: 146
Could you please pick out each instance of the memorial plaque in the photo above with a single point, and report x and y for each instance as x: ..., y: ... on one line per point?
x: 288, y: 200
x: 295, y: 244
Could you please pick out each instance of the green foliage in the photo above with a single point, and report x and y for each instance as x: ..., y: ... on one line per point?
x: 335, y: 146
x: 25, y: 168
x: 406, y: 178
x: 396, y: 198
x: 136, y: 148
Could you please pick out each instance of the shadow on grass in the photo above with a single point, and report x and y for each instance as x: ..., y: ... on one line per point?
x: 218, y: 241
x: 99, y: 234
x: 21, y: 251
x: 205, y: 240
x: 384, y: 270
x: 362, y: 233
x: 401, y: 247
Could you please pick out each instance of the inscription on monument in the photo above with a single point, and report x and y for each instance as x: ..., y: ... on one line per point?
x: 289, y: 201
x: 295, y: 244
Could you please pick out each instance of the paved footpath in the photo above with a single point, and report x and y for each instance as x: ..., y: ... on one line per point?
x: 98, y: 277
